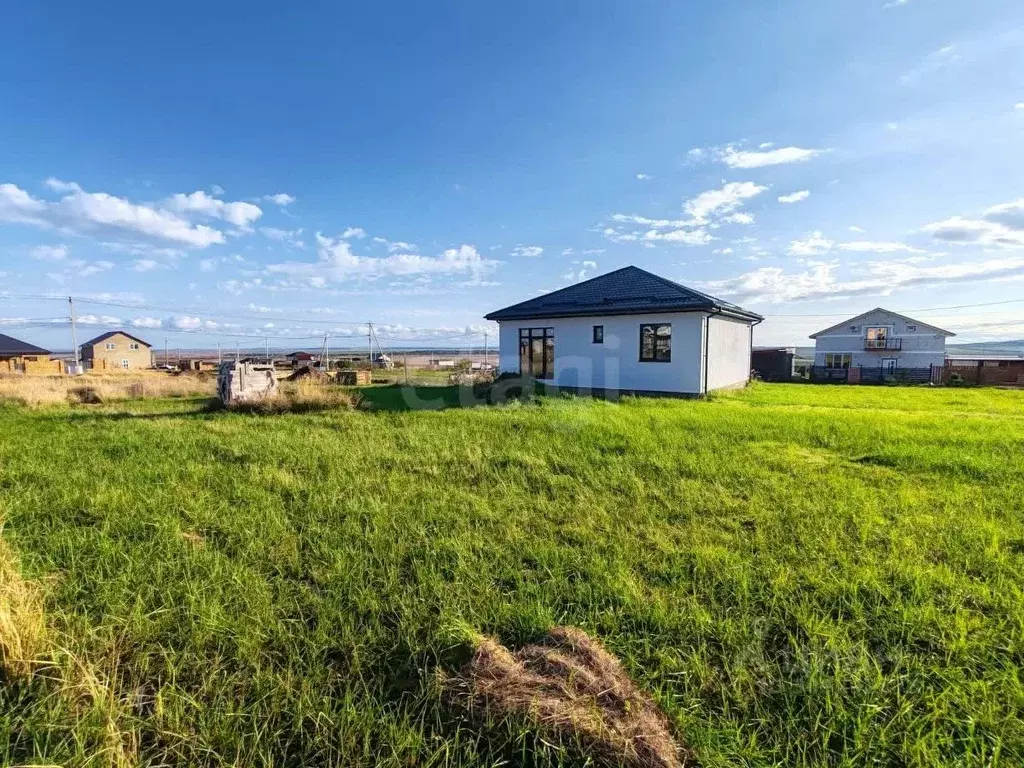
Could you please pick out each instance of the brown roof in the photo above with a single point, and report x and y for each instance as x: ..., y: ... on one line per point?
x: 108, y: 334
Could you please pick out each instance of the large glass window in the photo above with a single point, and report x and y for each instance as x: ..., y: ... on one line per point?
x: 537, y: 352
x: 656, y: 343
x: 838, y: 361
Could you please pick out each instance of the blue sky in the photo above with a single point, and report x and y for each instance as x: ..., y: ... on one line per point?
x: 207, y: 172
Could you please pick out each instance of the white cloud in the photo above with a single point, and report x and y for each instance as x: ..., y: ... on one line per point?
x: 739, y: 218
x: 147, y: 322
x: 1019, y: 105
x: 721, y: 201
x: 207, y: 265
x: 290, y: 237
x: 337, y: 263
x: 145, y: 265
x: 217, y: 189
x: 50, y: 252
x: 1008, y: 214
x: 931, y: 63
x: 590, y: 264
x: 866, y: 246
x: 857, y: 230
x: 240, y: 214
x: 96, y: 268
x: 86, y: 212
x: 745, y: 158
x: 679, y: 236
x: 529, y: 251
x: 795, y: 197
x: 815, y: 245
x: 1000, y: 225
x: 773, y: 284
x: 280, y: 198
x: 642, y: 177
x: 399, y: 245
x: 353, y: 232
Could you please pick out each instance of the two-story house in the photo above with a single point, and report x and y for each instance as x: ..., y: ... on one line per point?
x: 880, y: 340
x: 116, y: 351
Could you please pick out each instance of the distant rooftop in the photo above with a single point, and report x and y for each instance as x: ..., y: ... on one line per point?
x: 10, y: 346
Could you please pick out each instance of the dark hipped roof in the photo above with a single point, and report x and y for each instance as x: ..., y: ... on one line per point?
x: 10, y: 346
x: 626, y: 291
x: 108, y: 334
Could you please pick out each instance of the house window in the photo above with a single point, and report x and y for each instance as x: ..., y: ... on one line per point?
x: 111, y: 345
x: 537, y: 352
x: 853, y: 328
x: 124, y: 363
x: 656, y: 343
x: 876, y: 337
x: 911, y: 329
x: 839, y: 362
x: 599, y: 334
x: 133, y: 345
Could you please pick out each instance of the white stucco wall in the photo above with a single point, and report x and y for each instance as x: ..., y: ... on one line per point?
x: 728, y: 346
x: 920, y: 348
x: 615, y: 364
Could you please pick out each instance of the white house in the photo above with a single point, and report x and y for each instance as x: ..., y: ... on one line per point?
x: 881, y: 340
x: 628, y: 330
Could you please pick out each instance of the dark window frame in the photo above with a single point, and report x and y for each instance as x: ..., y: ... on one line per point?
x: 597, y: 334
x: 657, y: 335
x: 527, y: 354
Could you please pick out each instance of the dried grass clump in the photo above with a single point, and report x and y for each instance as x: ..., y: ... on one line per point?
x: 21, y: 618
x: 301, y: 397
x: 576, y: 693
x: 97, y: 388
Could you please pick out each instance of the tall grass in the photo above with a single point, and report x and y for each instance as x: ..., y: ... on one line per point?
x: 799, y: 576
x: 51, y: 390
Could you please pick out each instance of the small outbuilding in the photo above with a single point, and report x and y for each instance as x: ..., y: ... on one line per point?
x: 628, y: 331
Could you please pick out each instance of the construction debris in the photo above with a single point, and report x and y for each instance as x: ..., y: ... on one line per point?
x: 575, y: 693
x: 245, y: 382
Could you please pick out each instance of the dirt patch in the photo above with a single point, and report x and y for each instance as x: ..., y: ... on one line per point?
x: 575, y: 693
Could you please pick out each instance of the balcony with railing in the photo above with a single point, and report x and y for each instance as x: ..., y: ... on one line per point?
x: 883, y: 344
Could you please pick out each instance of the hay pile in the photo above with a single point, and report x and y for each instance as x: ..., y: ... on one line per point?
x: 576, y: 693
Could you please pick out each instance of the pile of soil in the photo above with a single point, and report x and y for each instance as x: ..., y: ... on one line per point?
x: 575, y: 693
x: 310, y: 373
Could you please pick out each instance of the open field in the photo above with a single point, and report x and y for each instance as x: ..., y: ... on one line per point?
x: 798, y: 575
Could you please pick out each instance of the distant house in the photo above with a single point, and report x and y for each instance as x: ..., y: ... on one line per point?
x: 18, y: 356
x: 879, y: 343
x: 628, y: 330
x: 116, y: 351
x: 301, y: 359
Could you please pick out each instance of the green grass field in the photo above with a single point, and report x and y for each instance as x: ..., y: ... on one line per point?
x: 800, y: 575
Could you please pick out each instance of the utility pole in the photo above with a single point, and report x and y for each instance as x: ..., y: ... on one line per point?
x: 74, y: 335
x: 485, y: 350
x: 218, y: 355
x: 327, y: 353
x: 405, y: 364
x: 266, y: 340
x: 167, y: 358
x: 236, y: 353
x: 369, y: 343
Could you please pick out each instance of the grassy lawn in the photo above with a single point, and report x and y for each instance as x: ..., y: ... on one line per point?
x: 799, y: 575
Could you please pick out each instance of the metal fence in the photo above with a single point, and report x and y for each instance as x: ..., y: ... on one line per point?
x: 872, y: 375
